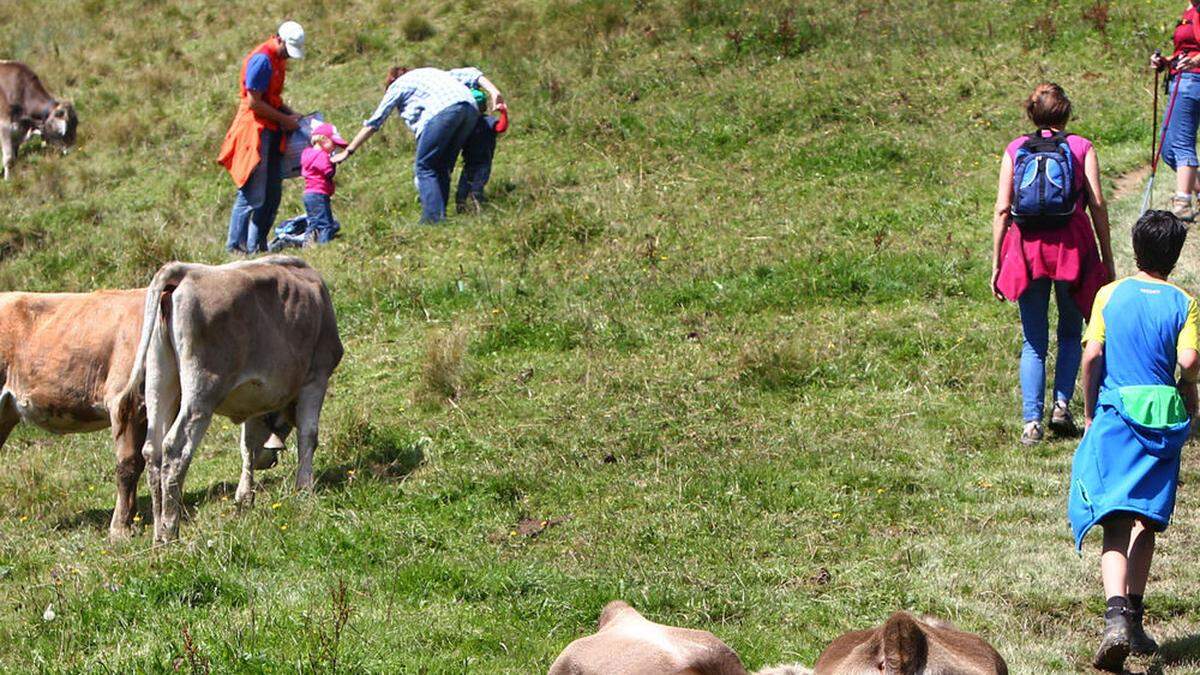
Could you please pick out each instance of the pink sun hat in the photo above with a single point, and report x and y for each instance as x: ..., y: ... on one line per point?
x: 329, y: 131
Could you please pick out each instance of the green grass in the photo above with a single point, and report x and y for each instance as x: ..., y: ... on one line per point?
x: 728, y: 313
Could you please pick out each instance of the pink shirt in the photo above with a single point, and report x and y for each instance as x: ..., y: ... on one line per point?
x: 1067, y: 253
x: 317, y: 170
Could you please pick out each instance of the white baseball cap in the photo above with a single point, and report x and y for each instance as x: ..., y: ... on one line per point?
x: 292, y: 35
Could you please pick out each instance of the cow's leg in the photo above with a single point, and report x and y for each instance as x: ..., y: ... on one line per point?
x: 130, y: 463
x: 9, y: 417
x: 308, y: 414
x: 8, y: 146
x: 255, y: 434
x: 178, y: 446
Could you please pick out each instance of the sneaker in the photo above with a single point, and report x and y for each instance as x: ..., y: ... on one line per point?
x: 1114, y: 644
x: 1032, y: 434
x: 1140, y: 642
x: 1182, y: 208
x: 1061, y: 421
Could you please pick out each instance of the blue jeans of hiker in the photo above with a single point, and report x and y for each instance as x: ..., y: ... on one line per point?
x: 258, y: 200
x: 1179, y: 143
x: 477, y: 156
x: 437, y: 150
x: 320, y: 216
x: 1035, y: 323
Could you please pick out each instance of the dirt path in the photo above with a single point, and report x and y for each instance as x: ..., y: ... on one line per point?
x: 1124, y: 210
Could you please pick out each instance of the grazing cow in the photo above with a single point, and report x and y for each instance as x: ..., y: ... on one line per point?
x: 255, y: 341
x: 906, y: 645
x: 26, y: 108
x: 64, y: 363
x: 625, y: 643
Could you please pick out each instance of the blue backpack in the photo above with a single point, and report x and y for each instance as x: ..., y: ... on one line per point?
x: 1044, y: 192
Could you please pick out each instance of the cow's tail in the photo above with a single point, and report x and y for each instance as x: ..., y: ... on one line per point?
x: 157, y: 308
x: 904, y: 646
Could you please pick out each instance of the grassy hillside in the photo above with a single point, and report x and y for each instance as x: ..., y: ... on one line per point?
x: 727, y: 317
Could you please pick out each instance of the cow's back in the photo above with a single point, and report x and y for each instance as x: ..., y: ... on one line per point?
x: 18, y: 83
x: 65, y: 357
x: 264, y: 327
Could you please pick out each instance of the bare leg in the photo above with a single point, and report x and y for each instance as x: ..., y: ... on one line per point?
x: 130, y: 463
x: 1185, y: 180
x: 1114, y: 565
x: 1141, y: 553
x: 178, y: 446
x: 308, y: 415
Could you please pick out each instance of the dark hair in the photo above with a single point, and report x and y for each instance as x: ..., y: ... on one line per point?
x: 1048, y: 106
x: 394, y: 73
x: 1157, y: 241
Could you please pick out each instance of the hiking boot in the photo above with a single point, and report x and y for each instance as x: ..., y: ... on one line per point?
x: 1061, y: 421
x: 1032, y: 434
x: 1182, y: 208
x: 1140, y: 642
x: 1114, y: 644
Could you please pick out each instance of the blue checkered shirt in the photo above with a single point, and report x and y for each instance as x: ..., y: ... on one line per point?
x: 424, y: 92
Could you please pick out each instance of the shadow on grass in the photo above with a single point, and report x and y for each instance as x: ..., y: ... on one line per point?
x: 383, y: 463
x: 1183, y: 651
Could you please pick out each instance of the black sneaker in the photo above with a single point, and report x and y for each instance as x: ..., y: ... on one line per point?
x: 1140, y: 642
x: 1114, y: 644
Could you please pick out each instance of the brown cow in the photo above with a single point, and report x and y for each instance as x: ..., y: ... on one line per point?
x: 27, y: 108
x: 255, y: 341
x: 64, y: 362
x: 906, y: 645
x: 626, y: 643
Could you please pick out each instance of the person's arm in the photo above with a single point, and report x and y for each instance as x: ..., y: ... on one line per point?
x: 288, y: 122
x: 492, y: 91
x: 1099, y: 211
x: 1093, y: 372
x: 360, y: 138
x: 1001, y: 218
x: 1189, y: 367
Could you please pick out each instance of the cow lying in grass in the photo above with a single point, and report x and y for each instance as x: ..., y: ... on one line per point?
x: 906, y: 645
x: 255, y: 341
x: 26, y: 109
x: 64, y: 362
x: 626, y: 643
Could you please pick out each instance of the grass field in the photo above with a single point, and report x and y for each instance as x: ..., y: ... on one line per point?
x: 725, y: 327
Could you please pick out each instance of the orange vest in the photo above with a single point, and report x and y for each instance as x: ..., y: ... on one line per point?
x: 240, y: 151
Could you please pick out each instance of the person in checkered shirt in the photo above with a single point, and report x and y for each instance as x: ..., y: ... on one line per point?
x: 437, y: 105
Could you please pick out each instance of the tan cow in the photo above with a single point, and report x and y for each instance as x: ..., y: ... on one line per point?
x: 906, y: 645
x: 26, y: 108
x: 626, y: 643
x: 64, y: 362
x: 255, y: 341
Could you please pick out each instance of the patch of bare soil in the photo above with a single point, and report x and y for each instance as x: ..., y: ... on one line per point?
x: 1131, y: 183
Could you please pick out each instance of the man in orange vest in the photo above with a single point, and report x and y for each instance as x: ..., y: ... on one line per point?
x: 253, y: 147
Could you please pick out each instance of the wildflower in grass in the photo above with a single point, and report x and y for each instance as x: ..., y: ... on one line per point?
x: 276, y: 505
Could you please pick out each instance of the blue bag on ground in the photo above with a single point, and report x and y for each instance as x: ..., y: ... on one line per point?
x: 1044, y: 193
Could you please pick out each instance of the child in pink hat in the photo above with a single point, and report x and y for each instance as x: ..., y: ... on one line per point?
x: 318, y: 170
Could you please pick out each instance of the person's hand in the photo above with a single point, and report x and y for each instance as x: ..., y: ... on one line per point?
x: 1087, y: 422
x: 498, y: 101
x: 502, y: 107
x: 995, y: 281
x: 339, y: 156
x: 290, y: 122
x: 1157, y: 61
x: 1188, y: 61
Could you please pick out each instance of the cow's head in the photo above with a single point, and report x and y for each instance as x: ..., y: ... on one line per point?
x: 59, y: 127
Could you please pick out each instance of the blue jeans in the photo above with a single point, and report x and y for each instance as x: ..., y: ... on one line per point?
x: 1179, y: 143
x: 258, y: 200
x: 320, y: 216
x: 437, y: 150
x: 1035, y: 323
x: 477, y: 156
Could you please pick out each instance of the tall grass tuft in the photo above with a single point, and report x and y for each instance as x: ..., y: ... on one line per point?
x: 443, y: 373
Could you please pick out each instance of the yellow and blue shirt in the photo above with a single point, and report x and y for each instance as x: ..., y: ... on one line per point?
x: 1128, y: 461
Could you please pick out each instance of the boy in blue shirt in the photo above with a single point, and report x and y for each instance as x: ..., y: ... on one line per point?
x: 1138, y: 417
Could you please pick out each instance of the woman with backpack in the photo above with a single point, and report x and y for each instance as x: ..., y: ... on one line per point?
x: 1042, y: 238
x: 1183, y: 111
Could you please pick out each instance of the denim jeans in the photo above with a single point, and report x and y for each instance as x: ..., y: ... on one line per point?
x: 477, y: 155
x: 1035, y: 323
x: 321, y: 223
x: 257, y: 201
x: 437, y: 150
x: 1179, y: 143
